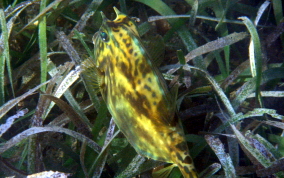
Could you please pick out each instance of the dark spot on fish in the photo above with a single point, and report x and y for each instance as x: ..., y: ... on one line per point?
x: 179, y: 156
x: 130, y: 51
x: 149, y: 80
x: 141, y: 67
x: 136, y: 72
x: 135, y: 54
x: 130, y: 66
x: 133, y: 85
x: 123, y: 52
x: 142, y: 96
x: 155, y: 103
x: 179, y: 165
x: 181, y: 146
x: 123, y: 66
x: 120, y: 34
x: 146, y: 70
x: 139, y: 81
x: 154, y: 95
x: 147, y: 87
x: 136, y: 103
x: 128, y: 44
x: 110, y: 67
x: 127, y: 73
x: 115, y: 42
x: 103, y: 61
x: 117, y: 58
x: 146, y: 102
x: 124, y: 40
x: 186, y: 169
x: 110, y: 48
x: 136, y: 62
x: 187, y: 160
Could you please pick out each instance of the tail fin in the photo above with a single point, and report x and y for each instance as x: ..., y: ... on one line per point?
x: 165, y: 172
x: 183, y: 160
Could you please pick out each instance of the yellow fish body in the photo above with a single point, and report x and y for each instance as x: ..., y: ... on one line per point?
x: 136, y: 94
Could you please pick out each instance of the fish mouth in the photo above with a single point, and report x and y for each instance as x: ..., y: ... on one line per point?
x: 95, y: 37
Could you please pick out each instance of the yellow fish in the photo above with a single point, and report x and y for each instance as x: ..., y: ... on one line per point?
x: 136, y: 94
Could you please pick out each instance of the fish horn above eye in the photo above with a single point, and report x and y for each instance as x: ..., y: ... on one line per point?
x: 103, y: 16
x: 116, y: 11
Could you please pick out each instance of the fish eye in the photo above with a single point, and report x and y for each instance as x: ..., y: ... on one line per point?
x: 104, y: 36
